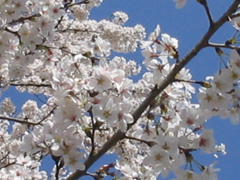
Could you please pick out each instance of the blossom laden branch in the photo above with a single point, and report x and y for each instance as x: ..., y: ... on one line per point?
x: 171, y: 77
x: 119, y: 135
x: 92, y: 106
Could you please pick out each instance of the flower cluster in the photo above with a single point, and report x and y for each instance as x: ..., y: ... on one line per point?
x: 172, y: 126
x: 52, y: 48
x: 222, y: 98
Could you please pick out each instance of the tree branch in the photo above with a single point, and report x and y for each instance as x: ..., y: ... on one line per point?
x: 27, y: 122
x: 205, y: 5
x: 29, y: 85
x: 221, y: 46
x: 119, y: 135
x: 17, y: 120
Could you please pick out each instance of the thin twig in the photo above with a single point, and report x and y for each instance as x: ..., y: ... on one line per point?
x: 149, y: 143
x: 17, y: 120
x: 44, y: 118
x: 93, y: 132
x: 21, y: 19
x: 215, y: 45
x: 27, y: 122
x: 78, y: 3
x: 34, y: 85
x: 201, y: 83
x: 205, y: 5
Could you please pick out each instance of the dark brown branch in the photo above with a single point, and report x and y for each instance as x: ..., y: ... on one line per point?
x: 34, y: 85
x: 13, y: 32
x: 149, y: 143
x: 27, y: 122
x: 205, y: 5
x: 21, y: 19
x: 92, y: 136
x: 78, y: 3
x: 201, y: 83
x: 44, y: 118
x: 76, y: 30
x: 119, y: 135
x: 17, y: 120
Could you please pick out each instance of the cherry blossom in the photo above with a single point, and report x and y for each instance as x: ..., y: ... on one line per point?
x: 235, y: 21
x: 120, y: 17
x: 92, y: 100
x: 180, y: 3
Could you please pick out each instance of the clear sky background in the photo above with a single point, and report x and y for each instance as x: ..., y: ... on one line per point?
x: 187, y: 25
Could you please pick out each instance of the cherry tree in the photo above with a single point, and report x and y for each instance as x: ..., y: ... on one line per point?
x: 94, y: 107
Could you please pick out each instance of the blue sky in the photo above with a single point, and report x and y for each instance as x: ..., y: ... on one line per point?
x: 187, y: 25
